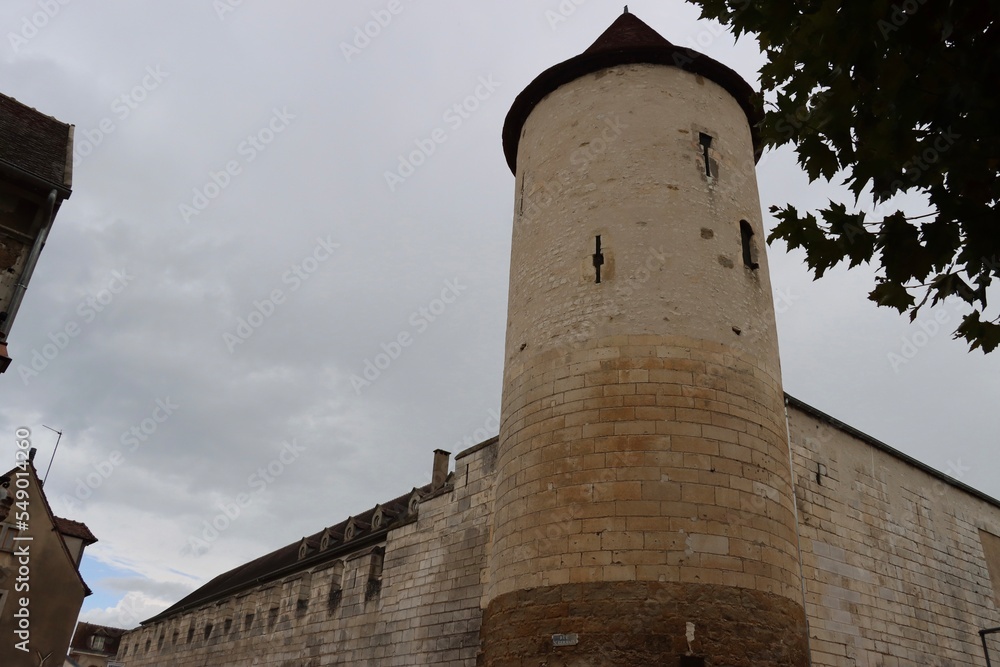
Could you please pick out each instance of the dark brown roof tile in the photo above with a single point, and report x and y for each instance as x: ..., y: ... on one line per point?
x: 284, y: 560
x: 627, y: 41
x: 35, y: 143
x: 72, y: 528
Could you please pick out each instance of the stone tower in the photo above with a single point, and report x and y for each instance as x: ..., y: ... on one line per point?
x: 644, y: 507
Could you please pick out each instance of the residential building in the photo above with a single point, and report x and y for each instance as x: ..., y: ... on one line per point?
x: 41, y: 589
x: 36, y: 175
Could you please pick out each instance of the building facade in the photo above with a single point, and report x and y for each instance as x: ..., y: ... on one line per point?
x: 41, y: 590
x: 93, y: 645
x: 653, y: 496
x: 36, y: 175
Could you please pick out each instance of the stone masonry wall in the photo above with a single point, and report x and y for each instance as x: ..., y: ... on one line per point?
x: 894, y: 569
x: 893, y: 565
x: 426, y: 612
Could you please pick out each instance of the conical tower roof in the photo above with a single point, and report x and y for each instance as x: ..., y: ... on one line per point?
x: 628, y: 40
x: 628, y: 32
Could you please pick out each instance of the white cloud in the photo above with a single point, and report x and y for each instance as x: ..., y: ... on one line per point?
x: 129, y: 611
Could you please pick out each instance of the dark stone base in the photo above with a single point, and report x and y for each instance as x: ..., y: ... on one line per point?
x: 644, y: 624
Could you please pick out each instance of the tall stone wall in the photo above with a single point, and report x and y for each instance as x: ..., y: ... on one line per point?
x: 896, y: 571
x: 425, y: 611
x: 893, y: 558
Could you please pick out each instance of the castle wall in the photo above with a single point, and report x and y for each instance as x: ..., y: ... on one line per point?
x: 896, y: 570
x: 425, y: 611
x: 892, y: 556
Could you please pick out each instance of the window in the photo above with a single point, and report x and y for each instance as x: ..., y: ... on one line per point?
x: 272, y: 618
x: 991, y: 549
x: 749, y: 246
x: 190, y: 634
x: 248, y: 622
x: 706, y: 142
x: 598, y: 258
x: 7, y: 535
x: 304, y: 593
x: 336, y: 586
x: 97, y: 642
x: 374, y: 587
x: 208, y: 630
x: 227, y: 626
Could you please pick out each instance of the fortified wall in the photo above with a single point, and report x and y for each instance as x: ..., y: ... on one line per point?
x: 896, y: 563
x: 402, y: 589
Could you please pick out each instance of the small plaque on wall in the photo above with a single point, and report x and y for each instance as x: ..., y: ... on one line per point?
x: 565, y: 640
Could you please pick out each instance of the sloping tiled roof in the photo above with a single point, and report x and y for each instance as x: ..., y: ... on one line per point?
x: 629, y: 31
x: 628, y: 40
x: 35, y: 143
x: 286, y: 560
x: 84, y: 631
x: 71, y: 528
x: 36, y: 485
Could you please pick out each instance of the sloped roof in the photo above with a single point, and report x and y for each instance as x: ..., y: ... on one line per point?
x: 84, y: 631
x: 35, y: 143
x: 628, y: 40
x: 36, y: 485
x: 285, y: 561
x: 71, y: 528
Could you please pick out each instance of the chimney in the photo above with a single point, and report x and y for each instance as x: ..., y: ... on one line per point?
x: 440, y: 473
x: 31, y: 454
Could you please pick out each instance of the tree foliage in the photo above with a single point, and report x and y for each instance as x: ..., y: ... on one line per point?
x: 893, y: 96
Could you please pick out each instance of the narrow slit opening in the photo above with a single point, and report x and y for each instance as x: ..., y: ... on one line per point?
x: 706, y: 142
x: 598, y: 259
x: 749, y: 246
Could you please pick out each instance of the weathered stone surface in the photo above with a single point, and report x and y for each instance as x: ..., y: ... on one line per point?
x: 643, y: 623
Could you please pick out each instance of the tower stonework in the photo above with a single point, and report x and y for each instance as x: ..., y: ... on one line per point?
x: 644, y: 506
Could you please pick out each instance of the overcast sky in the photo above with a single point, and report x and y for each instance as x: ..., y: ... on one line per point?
x: 231, y: 163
